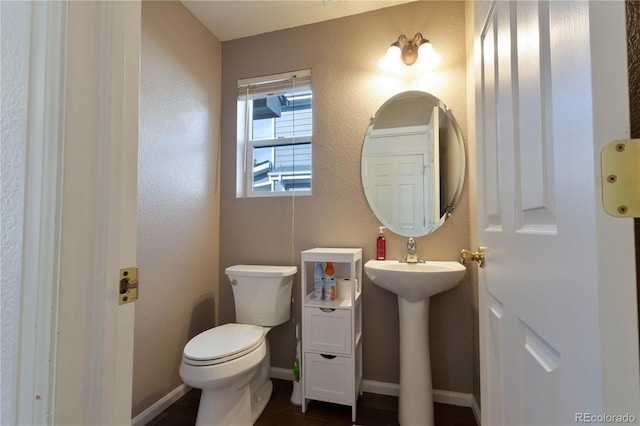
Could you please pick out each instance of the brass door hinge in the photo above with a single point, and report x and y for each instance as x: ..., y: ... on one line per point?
x: 128, y: 286
x: 621, y: 178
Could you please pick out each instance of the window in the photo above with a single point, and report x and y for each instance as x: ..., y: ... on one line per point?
x: 274, y: 135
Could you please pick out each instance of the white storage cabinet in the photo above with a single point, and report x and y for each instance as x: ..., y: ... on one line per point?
x: 332, y: 330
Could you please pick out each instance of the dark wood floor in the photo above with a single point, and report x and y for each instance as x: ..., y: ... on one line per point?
x: 373, y: 410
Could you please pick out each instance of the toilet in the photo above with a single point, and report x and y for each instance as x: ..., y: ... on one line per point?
x: 231, y: 362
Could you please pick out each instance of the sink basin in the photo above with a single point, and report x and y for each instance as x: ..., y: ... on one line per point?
x: 414, y: 284
x: 415, y: 281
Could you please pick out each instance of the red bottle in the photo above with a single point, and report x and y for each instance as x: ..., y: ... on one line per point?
x: 381, y: 250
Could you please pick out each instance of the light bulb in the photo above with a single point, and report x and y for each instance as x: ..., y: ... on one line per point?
x: 427, y: 57
x: 391, y: 61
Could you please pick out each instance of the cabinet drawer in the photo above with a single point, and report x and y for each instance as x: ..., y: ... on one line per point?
x: 329, y: 378
x: 327, y: 331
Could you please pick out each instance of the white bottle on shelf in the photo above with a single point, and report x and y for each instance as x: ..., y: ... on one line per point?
x: 318, y: 278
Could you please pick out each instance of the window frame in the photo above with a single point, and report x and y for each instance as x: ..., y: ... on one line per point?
x: 249, y: 89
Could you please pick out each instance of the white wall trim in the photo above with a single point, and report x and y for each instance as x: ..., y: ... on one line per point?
x: 453, y: 398
x: 475, y: 407
x: 381, y: 388
x: 40, y: 265
x: 282, y: 373
x: 162, y: 404
x: 440, y: 396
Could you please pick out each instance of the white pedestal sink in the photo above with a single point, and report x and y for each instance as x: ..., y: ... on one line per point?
x: 414, y: 283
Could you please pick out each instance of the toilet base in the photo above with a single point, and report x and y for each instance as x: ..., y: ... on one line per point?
x: 230, y: 408
x: 261, y: 386
x: 234, y: 406
x: 260, y: 400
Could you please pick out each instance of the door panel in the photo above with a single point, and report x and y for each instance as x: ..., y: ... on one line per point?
x: 539, y: 370
x: 491, y: 188
x: 493, y: 394
x: 533, y: 137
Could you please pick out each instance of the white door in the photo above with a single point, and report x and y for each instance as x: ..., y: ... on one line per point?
x: 558, y: 320
x: 396, y: 186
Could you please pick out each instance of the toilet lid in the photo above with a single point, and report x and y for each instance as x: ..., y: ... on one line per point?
x: 223, y: 343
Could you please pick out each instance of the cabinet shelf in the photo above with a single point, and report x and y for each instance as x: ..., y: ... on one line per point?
x: 324, y: 304
x: 332, y: 330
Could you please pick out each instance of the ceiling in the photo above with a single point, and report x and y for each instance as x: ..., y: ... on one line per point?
x: 229, y: 20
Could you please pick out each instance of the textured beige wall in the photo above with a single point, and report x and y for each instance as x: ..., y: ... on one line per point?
x: 178, y: 196
x: 348, y: 88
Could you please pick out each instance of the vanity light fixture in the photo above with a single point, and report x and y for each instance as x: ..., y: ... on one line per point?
x: 418, y: 51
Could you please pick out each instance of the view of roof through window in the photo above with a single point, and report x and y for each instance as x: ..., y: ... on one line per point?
x: 281, y: 130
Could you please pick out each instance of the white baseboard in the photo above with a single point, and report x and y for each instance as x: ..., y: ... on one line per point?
x: 440, y: 396
x: 452, y: 398
x: 381, y: 388
x: 476, y: 410
x: 162, y: 404
x: 281, y: 373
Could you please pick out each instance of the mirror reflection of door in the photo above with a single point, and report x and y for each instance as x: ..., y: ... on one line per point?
x: 396, y: 186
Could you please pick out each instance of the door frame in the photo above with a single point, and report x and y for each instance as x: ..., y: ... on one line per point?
x: 620, y: 358
x: 39, y: 279
x: 75, y: 343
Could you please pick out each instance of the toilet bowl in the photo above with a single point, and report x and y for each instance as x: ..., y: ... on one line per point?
x: 231, y: 362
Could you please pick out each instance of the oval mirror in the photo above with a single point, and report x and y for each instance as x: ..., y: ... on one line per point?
x: 413, y: 163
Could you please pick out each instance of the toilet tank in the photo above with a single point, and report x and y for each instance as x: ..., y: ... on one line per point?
x: 262, y: 293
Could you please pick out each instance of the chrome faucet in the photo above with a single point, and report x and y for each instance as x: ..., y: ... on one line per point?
x: 411, y: 252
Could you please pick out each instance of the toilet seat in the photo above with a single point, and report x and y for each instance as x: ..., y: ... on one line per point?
x: 222, y: 344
